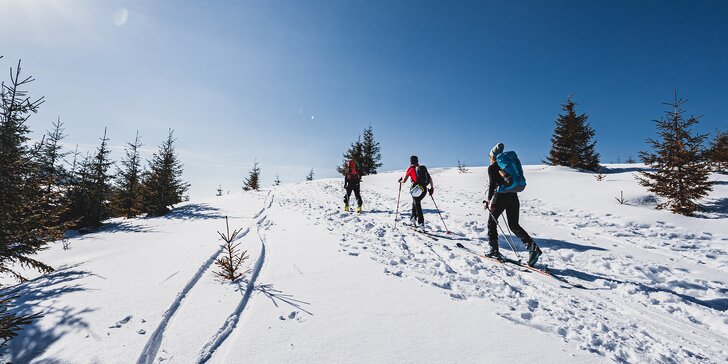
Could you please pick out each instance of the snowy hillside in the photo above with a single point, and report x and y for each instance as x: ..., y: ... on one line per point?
x: 332, y: 286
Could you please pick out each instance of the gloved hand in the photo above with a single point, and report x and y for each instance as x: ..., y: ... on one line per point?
x: 487, y: 204
x: 432, y: 190
x: 399, y: 180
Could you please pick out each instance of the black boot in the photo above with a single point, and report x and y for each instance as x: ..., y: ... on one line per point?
x: 494, y: 252
x: 534, y: 252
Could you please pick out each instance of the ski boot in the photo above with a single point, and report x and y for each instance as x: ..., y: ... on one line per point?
x: 358, y: 209
x: 494, y: 252
x: 346, y: 207
x: 534, y: 252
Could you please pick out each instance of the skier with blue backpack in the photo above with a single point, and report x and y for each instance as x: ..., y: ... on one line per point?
x: 506, y: 180
x: 420, y: 180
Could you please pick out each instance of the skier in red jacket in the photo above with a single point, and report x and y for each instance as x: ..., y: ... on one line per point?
x: 420, y: 180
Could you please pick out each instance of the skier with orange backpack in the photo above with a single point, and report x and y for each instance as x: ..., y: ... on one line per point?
x: 352, y: 181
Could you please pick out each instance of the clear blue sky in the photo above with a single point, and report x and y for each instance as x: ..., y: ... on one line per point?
x: 292, y: 83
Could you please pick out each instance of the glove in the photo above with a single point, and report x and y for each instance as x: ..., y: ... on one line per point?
x: 487, y: 205
x: 399, y: 180
x: 432, y: 191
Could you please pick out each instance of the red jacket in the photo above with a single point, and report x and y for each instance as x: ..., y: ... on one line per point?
x: 412, y: 173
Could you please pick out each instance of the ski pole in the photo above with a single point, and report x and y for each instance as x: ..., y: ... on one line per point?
x: 396, y: 214
x: 438, y: 212
x: 508, y: 240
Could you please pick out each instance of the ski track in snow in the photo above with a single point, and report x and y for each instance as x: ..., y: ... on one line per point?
x: 626, y: 297
x: 232, y: 321
x: 151, y: 349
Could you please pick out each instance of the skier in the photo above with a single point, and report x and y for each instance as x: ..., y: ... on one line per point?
x: 420, y: 179
x: 503, y: 196
x: 352, y: 181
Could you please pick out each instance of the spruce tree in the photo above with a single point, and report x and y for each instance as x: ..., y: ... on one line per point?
x: 91, y: 192
x: 128, y: 199
x: 370, y: 153
x: 252, y: 182
x: 355, y: 152
x: 309, y: 176
x: 28, y: 217
x: 679, y: 162
x: 51, y: 156
x: 718, y: 152
x: 572, y: 141
x: 163, y: 184
x: 277, y: 181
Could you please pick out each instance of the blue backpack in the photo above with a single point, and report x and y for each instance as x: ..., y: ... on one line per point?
x: 508, y: 162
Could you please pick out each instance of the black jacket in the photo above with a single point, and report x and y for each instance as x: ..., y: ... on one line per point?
x: 495, y: 179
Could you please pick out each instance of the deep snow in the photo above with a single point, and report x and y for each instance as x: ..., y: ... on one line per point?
x: 330, y: 286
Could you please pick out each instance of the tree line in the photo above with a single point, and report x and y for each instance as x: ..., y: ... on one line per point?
x: 679, y: 165
x: 47, y: 190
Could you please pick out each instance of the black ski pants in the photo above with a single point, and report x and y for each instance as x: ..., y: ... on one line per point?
x: 509, y: 203
x: 417, y: 208
x: 357, y: 194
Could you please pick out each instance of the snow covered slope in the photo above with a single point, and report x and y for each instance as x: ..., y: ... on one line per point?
x: 330, y: 286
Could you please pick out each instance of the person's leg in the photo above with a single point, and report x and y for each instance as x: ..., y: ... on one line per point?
x: 496, y: 209
x: 512, y: 213
x: 357, y: 194
x: 413, y: 214
x: 420, y: 214
x: 346, y: 196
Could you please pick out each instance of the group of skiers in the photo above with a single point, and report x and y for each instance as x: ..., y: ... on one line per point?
x: 505, y: 181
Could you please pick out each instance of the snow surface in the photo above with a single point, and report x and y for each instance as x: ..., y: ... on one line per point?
x: 332, y: 286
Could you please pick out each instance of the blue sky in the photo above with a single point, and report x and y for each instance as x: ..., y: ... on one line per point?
x: 292, y: 83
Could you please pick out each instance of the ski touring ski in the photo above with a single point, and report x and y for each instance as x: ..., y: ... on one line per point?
x: 423, y: 232
x: 505, y: 260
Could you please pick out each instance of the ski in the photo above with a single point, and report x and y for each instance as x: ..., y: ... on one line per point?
x: 425, y: 233
x: 471, y: 251
x: 505, y: 260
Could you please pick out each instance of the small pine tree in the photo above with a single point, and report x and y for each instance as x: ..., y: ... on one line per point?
x: 371, y: 155
x: 356, y: 153
x: 462, y: 167
x: 229, y: 264
x: 572, y: 143
x: 252, y: 182
x: 680, y: 167
x: 630, y: 160
x: 718, y: 152
x: 277, y: 181
x: 309, y: 176
x: 163, y: 185
x: 127, y: 198
x: 28, y: 217
x: 219, y: 190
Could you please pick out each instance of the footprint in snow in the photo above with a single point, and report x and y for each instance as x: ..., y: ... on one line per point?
x: 121, y: 322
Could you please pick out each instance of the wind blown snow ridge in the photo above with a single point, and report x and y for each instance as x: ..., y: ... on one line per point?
x: 150, y: 350
x: 232, y: 320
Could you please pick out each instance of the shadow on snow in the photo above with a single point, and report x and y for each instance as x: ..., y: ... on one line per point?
x: 196, y: 211
x: 38, y: 296
x: 720, y: 304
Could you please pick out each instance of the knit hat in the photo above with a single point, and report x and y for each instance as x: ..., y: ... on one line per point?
x: 498, y: 149
x: 414, y: 160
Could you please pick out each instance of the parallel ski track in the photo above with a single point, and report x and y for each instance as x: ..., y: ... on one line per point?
x: 151, y: 348
x: 232, y: 321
